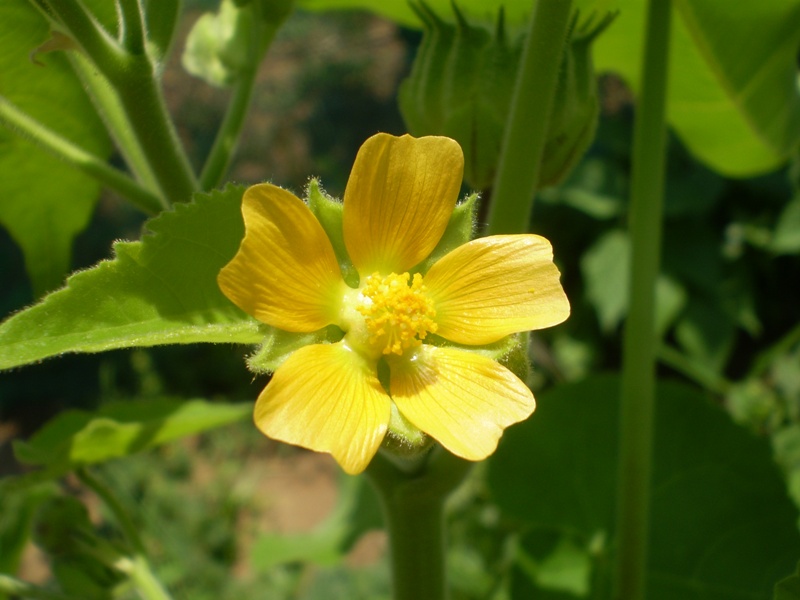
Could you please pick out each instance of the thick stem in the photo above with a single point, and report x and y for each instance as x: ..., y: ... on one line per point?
x: 413, y: 506
x: 134, y: 78
x: 144, y: 105
x: 639, y: 344
x: 79, y: 158
x: 526, y: 127
x: 88, y: 33
x: 109, y: 106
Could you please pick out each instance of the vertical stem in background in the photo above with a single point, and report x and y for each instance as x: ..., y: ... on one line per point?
x: 526, y: 127
x: 639, y: 344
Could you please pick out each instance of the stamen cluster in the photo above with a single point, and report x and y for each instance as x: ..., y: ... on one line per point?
x: 398, y: 315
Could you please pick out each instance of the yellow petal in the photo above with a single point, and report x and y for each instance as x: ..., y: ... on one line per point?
x: 326, y: 398
x: 495, y: 286
x: 399, y: 198
x: 463, y: 400
x: 285, y: 273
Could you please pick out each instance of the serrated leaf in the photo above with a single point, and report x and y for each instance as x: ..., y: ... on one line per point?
x: 45, y: 201
x: 77, y: 438
x: 722, y: 526
x: 160, y: 290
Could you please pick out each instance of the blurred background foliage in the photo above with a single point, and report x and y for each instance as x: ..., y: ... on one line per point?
x: 215, y: 507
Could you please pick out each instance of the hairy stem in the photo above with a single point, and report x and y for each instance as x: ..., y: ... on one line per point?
x: 79, y: 158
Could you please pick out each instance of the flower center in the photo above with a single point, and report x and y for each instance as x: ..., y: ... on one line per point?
x: 398, y: 314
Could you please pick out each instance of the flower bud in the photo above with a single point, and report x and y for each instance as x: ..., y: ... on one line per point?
x: 576, y: 107
x: 462, y: 82
x: 460, y: 86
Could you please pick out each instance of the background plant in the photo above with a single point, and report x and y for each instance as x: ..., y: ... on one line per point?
x: 725, y: 317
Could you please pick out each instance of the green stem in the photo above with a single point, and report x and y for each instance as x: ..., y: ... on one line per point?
x: 23, y: 589
x: 111, y: 501
x: 132, y: 26
x: 109, y: 106
x: 147, y: 584
x: 693, y: 370
x: 768, y: 357
x: 227, y: 138
x: 88, y: 33
x: 79, y: 158
x: 413, y: 505
x: 526, y: 127
x: 639, y: 344
x: 144, y: 105
x: 134, y: 78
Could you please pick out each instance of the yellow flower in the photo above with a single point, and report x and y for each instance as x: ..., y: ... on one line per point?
x: 328, y: 396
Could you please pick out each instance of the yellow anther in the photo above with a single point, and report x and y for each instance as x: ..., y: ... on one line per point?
x: 397, y: 314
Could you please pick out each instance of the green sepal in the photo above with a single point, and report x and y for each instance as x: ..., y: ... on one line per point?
x: 516, y: 357
x: 279, y: 344
x: 330, y: 213
x: 421, y: 94
x: 576, y: 107
x: 404, y: 442
x: 460, y: 229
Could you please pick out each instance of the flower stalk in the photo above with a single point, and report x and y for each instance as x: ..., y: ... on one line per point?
x: 413, y: 505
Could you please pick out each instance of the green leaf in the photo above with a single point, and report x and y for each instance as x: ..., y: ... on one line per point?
x: 357, y: 511
x: 722, y: 526
x: 16, y: 515
x: 45, y: 202
x: 733, y: 97
x: 606, y: 269
x: 160, y: 290
x: 789, y: 588
x: 78, y: 438
x: 786, y: 239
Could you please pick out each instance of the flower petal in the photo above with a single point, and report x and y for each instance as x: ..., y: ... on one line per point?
x: 327, y: 398
x: 495, y: 286
x: 399, y: 198
x: 461, y: 399
x: 285, y: 273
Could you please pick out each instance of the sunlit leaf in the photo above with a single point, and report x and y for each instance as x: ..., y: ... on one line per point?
x: 77, y: 438
x: 45, y: 202
x: 733, y: 96
x: 161, y: 290
x: 722, y: 526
